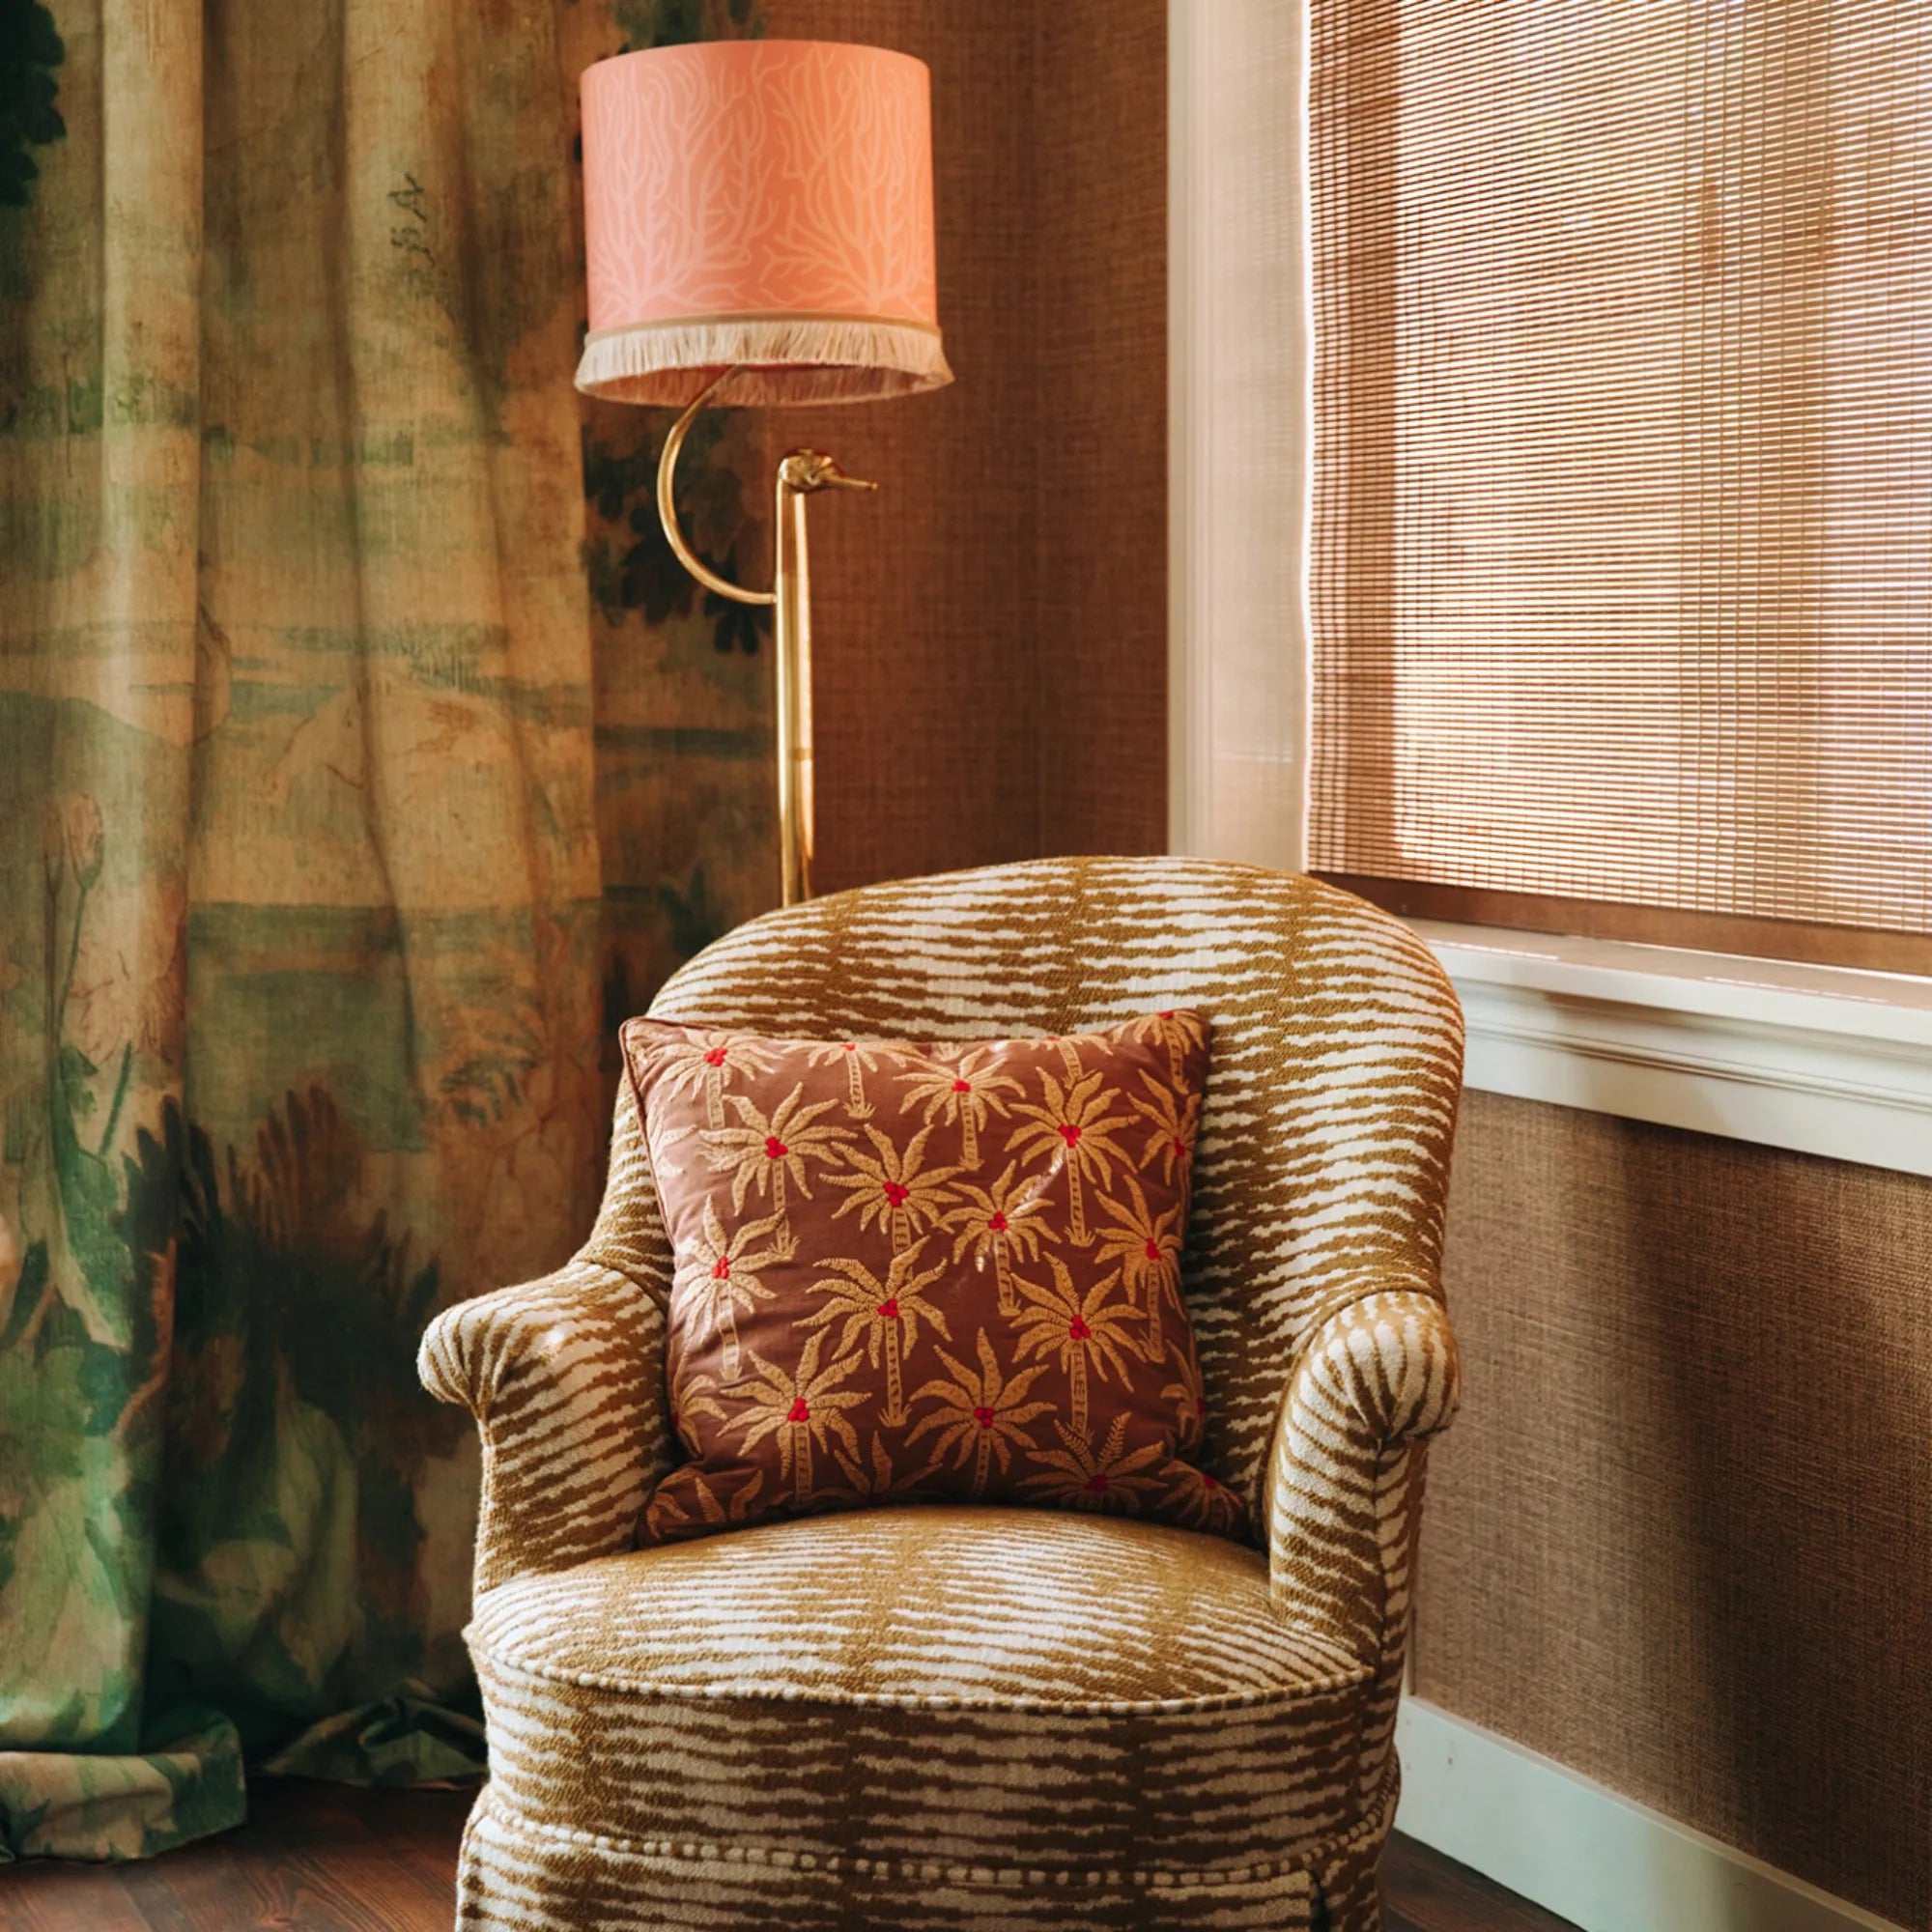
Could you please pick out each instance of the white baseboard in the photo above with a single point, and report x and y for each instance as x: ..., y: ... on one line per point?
x: 1581, y: 1850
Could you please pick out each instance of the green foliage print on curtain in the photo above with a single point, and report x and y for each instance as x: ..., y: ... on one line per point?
x: 357, y: 757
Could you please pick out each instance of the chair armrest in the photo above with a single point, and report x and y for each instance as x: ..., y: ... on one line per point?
x: 564, y: 1375
x: 1343, y: 1492
x: 1343, y: 1495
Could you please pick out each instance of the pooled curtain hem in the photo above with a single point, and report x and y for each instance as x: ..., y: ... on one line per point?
x: 80, y: 1805
x: 107, y: 1807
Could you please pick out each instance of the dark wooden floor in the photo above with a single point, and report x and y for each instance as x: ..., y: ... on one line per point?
x: 322, y: 1858
x: 1423, y: 1891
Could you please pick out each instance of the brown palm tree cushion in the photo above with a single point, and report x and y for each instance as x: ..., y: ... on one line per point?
x: 940, y: 1272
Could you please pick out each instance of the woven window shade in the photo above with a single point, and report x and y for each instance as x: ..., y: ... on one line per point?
x: 1623, y: 538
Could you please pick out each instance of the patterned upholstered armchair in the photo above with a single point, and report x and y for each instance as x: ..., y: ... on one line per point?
x: 949, y: 1717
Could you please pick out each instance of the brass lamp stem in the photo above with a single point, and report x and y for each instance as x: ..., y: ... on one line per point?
x: 799, y: 474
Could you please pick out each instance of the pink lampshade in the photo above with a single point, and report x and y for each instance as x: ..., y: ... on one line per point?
x: 759, y: 202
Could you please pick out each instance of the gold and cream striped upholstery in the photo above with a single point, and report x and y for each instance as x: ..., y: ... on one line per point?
x: 952, y: 1718
x: 883, y: 1664
x: 565, y: 1376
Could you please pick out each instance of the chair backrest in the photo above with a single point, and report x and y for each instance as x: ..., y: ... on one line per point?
x: 1323, y: 1155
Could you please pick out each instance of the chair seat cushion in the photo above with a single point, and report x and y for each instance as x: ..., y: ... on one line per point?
x: 974, y: 1690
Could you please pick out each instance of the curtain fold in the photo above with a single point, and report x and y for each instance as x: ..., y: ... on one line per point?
x: 361, y: 760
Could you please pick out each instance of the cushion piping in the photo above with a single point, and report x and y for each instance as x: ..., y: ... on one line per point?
x: 1216, y: 1700
x: 1002, y: 1878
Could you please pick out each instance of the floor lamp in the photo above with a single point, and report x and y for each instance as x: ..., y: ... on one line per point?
x: 758, y: 231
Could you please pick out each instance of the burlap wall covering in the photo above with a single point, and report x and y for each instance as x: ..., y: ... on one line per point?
x: 1013, y: 574
x: 1682, y: 1536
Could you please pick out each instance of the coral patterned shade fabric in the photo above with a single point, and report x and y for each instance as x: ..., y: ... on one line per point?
x: 917, y: 1273
x: 765, y: 203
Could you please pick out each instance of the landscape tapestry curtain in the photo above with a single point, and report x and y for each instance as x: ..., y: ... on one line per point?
x: 362, y: 760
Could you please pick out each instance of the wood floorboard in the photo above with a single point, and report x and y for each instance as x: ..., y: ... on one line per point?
x: 325, y: 1858
x: 92, y: 1902
x: 1423, y: 1891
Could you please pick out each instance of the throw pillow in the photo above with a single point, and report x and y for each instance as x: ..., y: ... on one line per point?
x: 927, y: 1273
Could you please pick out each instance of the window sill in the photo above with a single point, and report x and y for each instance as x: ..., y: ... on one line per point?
x: 1823, y: 1059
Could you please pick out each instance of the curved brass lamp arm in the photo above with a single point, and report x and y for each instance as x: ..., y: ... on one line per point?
x: 801, y: 474
x: 668, y: 505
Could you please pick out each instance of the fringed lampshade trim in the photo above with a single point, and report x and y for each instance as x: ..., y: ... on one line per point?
x: 786, y: 359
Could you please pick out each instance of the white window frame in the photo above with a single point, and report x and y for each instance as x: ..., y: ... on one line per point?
x: 1823, y: 1060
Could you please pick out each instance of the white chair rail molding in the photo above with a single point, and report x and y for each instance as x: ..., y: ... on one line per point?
x: 1823, y: 1059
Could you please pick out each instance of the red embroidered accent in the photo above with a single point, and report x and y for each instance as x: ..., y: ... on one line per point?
x: 962, y: 1086
x: 798, y: 1412
x: 1168, y: 1015
x: 714, y: 1057
x: 1181, y: 1148
x: 895, y: 1193
x: 1153, y: 1251
x: 890, y: 1308
x: 1078, y: 1329
x: 1070, y: 1134
x: 1097, y: 1483
x: 983, y: 1416
x: 775, y: 1148
x: 997, y: 1224
x: 851, y: 1046
x: 722, y: 1270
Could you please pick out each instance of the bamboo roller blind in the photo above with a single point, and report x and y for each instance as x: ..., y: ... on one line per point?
x: 1623, y: 535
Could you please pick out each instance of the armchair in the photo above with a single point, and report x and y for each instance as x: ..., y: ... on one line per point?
x: 935, y: 1719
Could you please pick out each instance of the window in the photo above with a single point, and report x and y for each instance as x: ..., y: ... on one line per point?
x: 1622, y: 570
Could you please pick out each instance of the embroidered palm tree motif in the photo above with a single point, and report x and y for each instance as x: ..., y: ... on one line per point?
x: 1069, y: 1046
x: 770, y: 1154
x: 1110, y: 1477
x: 667, y: 1513
x: 980, y: 1417
x: 886, y: 1313
x: 881, y: 1481
x: 1003, y: 1221
x: 1173, y: 1125
x: 721, y: 1273
x: 1189, y: 1398
x: 1175, y: 1031
x: 963, y: 1091
x: 1085, y: 1332
x: 1073, y: 1131
x: 1069, y: 1054
x: 803, y: 1409
x: 702, y: 1064
x: 692, y: 1398
x: 1146, y: 1246
x: 1201, y: 1501
x: 859, y: 1059
x: 895, y: 1190
x: 974, y: 1291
